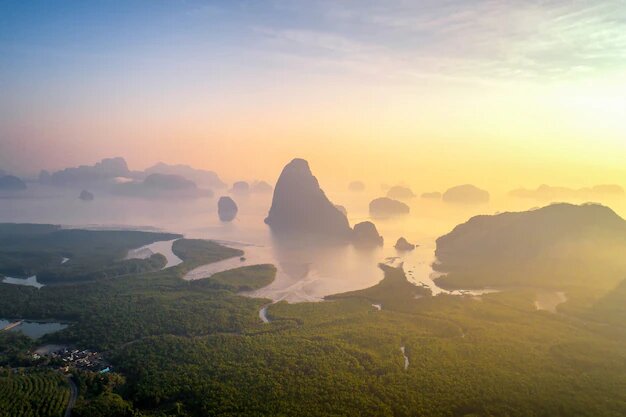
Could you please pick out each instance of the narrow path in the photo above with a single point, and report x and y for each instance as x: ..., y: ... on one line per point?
x: 406, y: 358
x: 73, y: 396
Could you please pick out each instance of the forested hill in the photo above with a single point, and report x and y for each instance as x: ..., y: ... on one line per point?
x: 554, y: 245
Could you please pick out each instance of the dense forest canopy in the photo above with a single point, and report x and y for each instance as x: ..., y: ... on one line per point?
x: 199, y: 348
x: 40, y: 249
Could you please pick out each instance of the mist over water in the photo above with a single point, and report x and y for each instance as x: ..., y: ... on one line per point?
x: 307, y: 271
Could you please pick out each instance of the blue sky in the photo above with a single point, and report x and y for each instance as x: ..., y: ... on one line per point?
x: 471, y: 39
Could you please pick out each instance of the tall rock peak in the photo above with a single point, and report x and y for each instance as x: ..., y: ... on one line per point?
x: 300, y: 206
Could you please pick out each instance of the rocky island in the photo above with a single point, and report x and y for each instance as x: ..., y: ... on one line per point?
x: 399, y: 192
x: 11, y: 183
x: 226, y: 209
x: 387, y: 207
x: 86, y: 196
x: 160, y: 186
x: 299, y: 205
x: 403, y: 245
x: 261, y: 187
x: 466, y: 194
x: 201, y: 177
x: 105, y: 170
x: 240, y: 187
x: 366, y: 234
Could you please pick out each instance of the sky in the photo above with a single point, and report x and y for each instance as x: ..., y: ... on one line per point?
x: 426, y: 93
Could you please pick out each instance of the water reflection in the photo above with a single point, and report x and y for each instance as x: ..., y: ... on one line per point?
x: 32, y: 329
x: 163, y: 247
x: 309, y: 271
x: 306, y: 271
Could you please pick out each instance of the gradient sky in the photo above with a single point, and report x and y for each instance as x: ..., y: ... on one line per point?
x: 429, y: 93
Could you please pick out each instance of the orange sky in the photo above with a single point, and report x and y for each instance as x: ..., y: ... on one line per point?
x: 430, y: 95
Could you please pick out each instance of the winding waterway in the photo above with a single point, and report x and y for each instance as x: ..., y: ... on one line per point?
x: 28, y: 282
x: 163, y: 247
x: 298, y: 280
x: 406, y: 358
x: 304, y: 272
x: 263, y: 314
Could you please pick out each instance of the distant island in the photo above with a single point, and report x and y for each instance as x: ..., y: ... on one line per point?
x: 11, y: 183
x: 399, y: 192
x: 226, y: 209
x: 365, y: 234
x: 435, y: 195
x: 466, y: 194
x: 201, y: 177
x: 550, y: 193
x: 261, y: 187
x: 161, y: 186
x: 105, y: 170
x: 356, y: 186
x: 112, y: 176
x: 404, y: 245
x: 387, y: 207
x: 86, y: 196
x: 240, y: 187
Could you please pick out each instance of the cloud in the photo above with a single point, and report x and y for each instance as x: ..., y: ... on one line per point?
x: 312, y: 40
x: 469, y: 39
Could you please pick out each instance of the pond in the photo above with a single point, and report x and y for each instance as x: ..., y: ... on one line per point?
x: 32, y: 329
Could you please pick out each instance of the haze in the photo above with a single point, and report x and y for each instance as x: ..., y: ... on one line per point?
x: 430, y: 93
x: 312, y: 208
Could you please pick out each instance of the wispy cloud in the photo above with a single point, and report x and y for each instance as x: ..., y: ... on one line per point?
x: 475, y: 39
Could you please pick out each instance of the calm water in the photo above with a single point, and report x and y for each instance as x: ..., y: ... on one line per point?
x: 162, y: 247
x: 33, y: 329
x: 29, y: 282
x: 305, y: 271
